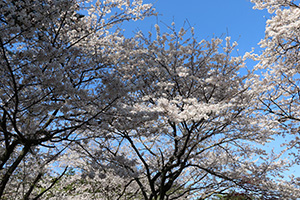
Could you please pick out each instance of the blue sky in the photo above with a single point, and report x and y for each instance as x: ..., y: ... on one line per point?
x: 234, y: 18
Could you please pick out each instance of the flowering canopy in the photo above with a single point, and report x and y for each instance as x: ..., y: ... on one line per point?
x: 186, y: 127
x: 279, y: 84
x: 53, y: 60
x: 89, y: 114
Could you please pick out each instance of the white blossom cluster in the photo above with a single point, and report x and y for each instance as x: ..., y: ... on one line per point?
x: 279, y: 66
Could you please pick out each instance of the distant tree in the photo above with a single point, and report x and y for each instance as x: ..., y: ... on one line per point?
x: 233, y: 196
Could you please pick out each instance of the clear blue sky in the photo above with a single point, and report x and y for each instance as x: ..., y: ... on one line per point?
x: 234, y: 18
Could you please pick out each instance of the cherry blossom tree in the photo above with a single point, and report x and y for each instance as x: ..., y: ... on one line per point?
x: 187, y: 129
x: 86, y: 113
x: 53, y: 61
x: 278, y: 65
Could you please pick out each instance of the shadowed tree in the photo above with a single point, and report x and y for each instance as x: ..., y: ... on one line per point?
x: 53, y: 61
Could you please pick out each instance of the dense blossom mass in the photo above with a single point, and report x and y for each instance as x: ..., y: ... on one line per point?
x: 87, y: 113
x: 279, y: 83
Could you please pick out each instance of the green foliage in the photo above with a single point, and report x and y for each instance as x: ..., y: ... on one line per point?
x: 232, y: 195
